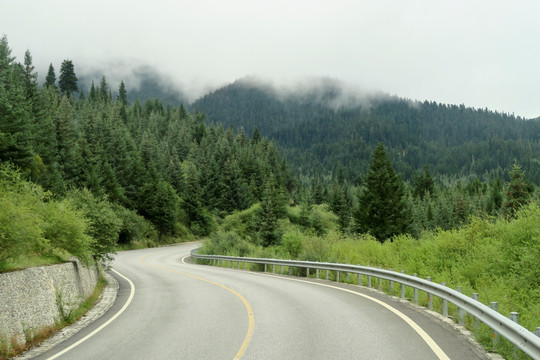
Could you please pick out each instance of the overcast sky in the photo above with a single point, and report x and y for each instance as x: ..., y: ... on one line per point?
x: 480, y: 53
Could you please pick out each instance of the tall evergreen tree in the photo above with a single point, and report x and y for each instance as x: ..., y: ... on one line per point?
x: 68, y: 80
x: 122, y: 93
x: 104, y: 89
x: 381, y: 210
x: 30, y: 76
x: 50, y: 79
x: 424, y: 184
x: 519, y: 191
x: 16, y: 125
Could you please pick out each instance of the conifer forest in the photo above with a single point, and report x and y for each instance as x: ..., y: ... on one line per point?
x: 87, y: 171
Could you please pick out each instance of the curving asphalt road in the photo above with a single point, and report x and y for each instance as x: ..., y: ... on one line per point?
x: 168, y: 309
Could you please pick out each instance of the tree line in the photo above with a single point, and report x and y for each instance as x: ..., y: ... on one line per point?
x: 161, y: 171
x: 319, y: 132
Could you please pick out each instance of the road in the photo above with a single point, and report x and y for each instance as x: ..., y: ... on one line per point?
x: 168, y: 309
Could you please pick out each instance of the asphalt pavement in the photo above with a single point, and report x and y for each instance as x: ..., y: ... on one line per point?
x: 168, y: 308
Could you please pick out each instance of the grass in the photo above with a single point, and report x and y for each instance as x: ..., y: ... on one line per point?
x: 25, y: 261
x: 494, y: 257
x: 12, y: 347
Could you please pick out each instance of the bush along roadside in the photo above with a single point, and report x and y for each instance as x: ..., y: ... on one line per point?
x: 494, y: 258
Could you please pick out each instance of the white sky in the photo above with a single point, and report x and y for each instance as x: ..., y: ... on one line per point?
x: 483, y: 53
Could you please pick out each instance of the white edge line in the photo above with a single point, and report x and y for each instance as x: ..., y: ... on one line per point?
x: 421, y: 332
x: 128, y: 302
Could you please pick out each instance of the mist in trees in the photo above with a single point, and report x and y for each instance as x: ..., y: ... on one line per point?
x: 153, y: 164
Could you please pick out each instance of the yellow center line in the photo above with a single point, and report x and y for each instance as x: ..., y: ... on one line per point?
x: 249, y: 310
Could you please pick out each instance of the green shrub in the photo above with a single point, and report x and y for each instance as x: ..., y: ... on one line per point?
x: 103, y: 223
x: 292, y: 244
x: 66, y: 228
x: 133, y: 226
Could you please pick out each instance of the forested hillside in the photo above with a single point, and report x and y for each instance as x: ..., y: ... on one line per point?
x: 324, y: 127
x: 138, y: 171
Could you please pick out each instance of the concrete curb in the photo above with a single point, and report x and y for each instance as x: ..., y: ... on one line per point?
x: 106, y: 301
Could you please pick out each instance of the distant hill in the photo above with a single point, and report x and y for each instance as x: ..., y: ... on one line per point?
x: 323, y: 126
x: 142, y: 83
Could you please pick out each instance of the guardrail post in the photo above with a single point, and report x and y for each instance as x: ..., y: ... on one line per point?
x: 495, y: 306
x: 264, y: 267
x: 429, y: 297
x: 290, y: 270
x: 444, y: 303
x: 359, y: 279
x: 379, y: 282
x: 537, y: 332
x: 514, y: 316
x: 461, y: 312
x: 403, y: 287
x: 476, y: 322
x: 244, y: 265
x: 273, y: 268
x: 369, y: 281
x: 415, y: 292
x: 391, y: 285
x: 337, y: 276
x: 280, y: 269
x: 317, y: 273
x: 307, y: 272
x: 326, y: 274
x: 348, y: 278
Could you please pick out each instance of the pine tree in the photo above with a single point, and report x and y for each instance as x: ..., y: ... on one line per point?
x: 424, y: 184
x: 519, y: 191
x: 122, y: 94
x: 50, y: 79
x: 495, y: 200
x: 30, y: 77
x: 341, y: 204
x: 16, y: 125
x: 256, y: 138
x: 381, y: 210
x: 268, y: 225
x: 68, y: 80
x: 104, y: 89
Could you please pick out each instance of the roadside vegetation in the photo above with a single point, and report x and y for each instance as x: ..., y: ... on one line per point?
x: 85, y: 175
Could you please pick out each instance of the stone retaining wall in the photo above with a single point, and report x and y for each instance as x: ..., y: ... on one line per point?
x: 30, y: 299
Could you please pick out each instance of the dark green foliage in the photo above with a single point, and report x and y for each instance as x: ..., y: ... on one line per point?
x: 341, y: 205
x: 50, y: 79
x: 271, y: 207
x: 495, y: 200
x: 519, y: 191
x: 151, y: 170
x: 122, y: 93
x: 16, y: 118
x: 318, y: 132
x: 381, y: 205
x: 161, y: 205
x: 103, y: 223
x: 424, y: 184
x: 68, y: 80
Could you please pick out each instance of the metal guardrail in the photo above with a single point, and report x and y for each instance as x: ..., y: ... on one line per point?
x: 522, y: 338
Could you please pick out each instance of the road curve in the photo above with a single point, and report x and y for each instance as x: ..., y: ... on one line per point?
x: 167, y: 309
